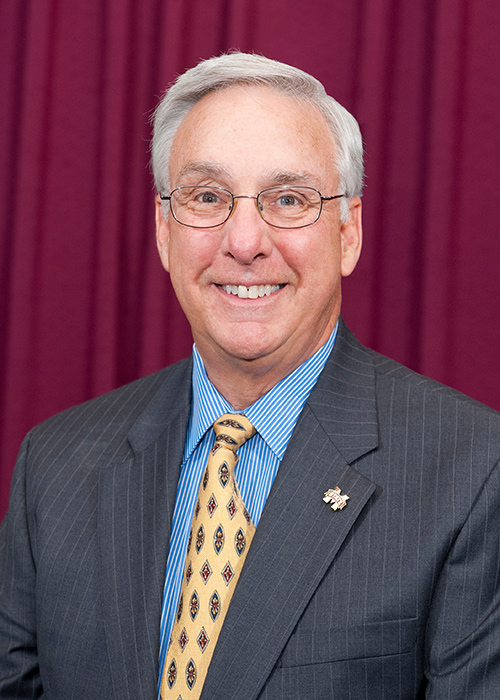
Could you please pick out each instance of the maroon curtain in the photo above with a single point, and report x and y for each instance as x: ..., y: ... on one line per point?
x: 84, y: 303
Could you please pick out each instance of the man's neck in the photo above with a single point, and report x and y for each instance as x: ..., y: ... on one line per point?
x: 243, y: 381
x: 243, y: 386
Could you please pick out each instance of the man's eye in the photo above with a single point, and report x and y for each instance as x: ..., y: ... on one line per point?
x: 288, y: 200
x: 207, y: 198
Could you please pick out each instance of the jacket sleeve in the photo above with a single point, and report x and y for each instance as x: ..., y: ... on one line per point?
x: 463, y: 634
x: 19, y: 671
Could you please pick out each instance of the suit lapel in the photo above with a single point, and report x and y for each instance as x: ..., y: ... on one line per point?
x: 136, y: 502
x: 299, y: 535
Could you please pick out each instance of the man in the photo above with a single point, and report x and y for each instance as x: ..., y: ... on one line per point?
x: 373, y: 571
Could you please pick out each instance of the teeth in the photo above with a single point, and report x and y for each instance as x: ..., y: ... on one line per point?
x: 253, y: 292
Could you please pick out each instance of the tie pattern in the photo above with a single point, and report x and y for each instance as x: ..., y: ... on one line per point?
x: 221, y: 533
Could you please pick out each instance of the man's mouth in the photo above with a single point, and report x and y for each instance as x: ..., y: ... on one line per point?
x: 253, y: 292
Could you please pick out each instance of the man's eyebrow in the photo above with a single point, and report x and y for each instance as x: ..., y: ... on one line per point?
x: 286, y: 177
x: 217, y: 172
x: 207, y: 169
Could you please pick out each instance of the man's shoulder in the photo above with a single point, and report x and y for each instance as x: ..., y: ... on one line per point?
x: 76, y: 445
x: 389, y: 379
x: 370, y: 403
x: 390, y: 372
x: 119, y: 409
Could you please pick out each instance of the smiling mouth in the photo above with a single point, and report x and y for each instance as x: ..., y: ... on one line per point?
x: 253, y: 292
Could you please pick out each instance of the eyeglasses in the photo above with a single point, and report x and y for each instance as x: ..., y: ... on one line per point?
x: 282, y: 207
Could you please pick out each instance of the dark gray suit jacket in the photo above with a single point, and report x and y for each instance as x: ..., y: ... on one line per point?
x: 395, y: 596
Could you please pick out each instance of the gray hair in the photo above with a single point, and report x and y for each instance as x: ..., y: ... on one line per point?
x: 250, y: 69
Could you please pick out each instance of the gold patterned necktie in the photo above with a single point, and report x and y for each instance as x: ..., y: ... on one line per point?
x: 221, y: 532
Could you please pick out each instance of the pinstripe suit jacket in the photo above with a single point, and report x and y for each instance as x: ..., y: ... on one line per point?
x: 395, y: 596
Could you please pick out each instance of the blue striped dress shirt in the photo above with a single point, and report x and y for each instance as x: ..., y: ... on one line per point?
x: 274, y: 416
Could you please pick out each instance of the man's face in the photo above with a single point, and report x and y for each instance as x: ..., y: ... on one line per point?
x: 246, y: 139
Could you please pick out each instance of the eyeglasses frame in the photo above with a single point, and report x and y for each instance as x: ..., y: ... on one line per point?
x: 168, y: 197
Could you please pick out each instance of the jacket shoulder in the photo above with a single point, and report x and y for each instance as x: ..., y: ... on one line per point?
x: 389, y: 372
x: 114, y: 413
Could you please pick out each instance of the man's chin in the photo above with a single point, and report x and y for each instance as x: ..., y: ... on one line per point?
x: 251, y: 352
x: 245, y: 348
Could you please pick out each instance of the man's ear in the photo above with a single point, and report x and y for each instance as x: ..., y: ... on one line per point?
x: 162, y: 233
x: 351, y: 232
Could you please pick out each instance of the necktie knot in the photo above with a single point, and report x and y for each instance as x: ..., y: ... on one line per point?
x: 232, y: 430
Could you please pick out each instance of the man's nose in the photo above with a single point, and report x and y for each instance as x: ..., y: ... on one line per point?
x: 247, y: 235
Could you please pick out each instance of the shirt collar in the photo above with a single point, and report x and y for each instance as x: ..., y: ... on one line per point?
x: 274, y: 414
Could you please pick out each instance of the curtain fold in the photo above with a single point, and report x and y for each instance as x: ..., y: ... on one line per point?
x: 85, y: 305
